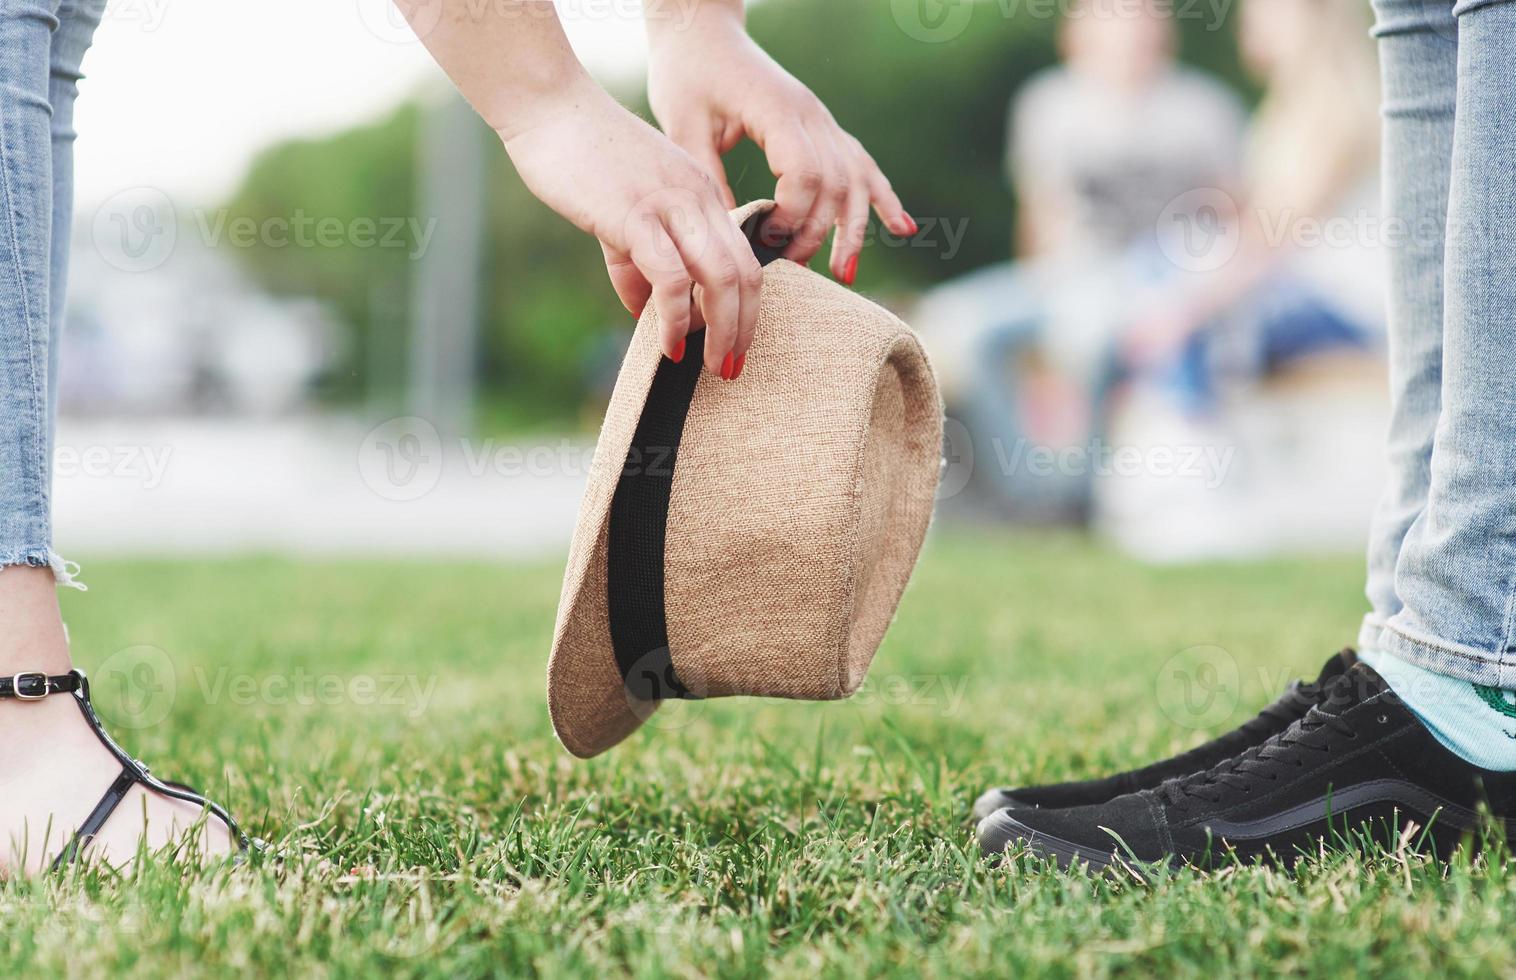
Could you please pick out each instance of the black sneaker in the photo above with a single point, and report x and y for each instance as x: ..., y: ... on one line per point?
x: 1292, y: 705
x: 1358, y: 768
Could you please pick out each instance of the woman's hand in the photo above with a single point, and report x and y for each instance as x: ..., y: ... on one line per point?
x: 660, y: 218
x: 709, y: 85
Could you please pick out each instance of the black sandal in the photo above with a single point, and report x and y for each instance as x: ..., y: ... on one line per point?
x: 34, y: 685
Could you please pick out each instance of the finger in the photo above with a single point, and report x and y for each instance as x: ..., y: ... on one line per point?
x: 708, y: 156
x: 852, y: 225
x: 886, y: 204
x: 749, y: 289
x: 707, y: 254
x: 828, y: 202
x: 656, y: 256
x: 796, y: 162
x: 631, y: 286
x: 705, y: 144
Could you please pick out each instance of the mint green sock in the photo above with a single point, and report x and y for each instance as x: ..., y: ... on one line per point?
x: 1475, y: 722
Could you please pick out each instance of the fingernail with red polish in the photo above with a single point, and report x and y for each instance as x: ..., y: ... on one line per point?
x: 726, y: 368
x: 910, y: 221
x: 737, y: 367
x: 850, y: 271
x: 678, y: 354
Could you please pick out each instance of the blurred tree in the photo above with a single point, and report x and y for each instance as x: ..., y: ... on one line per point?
x: 930, y: 105
x: 364, y: 173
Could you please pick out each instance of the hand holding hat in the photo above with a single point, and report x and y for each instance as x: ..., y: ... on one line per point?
x: 747, y: 538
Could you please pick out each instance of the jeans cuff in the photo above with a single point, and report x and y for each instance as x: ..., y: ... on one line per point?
x: 1448, y: 659
x: 1464, y: 6
x: 65, y: 573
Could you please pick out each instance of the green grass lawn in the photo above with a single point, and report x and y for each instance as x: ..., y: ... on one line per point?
x: 384, y: 726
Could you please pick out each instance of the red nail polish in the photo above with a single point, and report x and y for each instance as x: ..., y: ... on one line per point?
x: 678, y: 354
x: 726, y: 368
x: 850, y: 271
x: 910, y: 221
x: 737, y: 367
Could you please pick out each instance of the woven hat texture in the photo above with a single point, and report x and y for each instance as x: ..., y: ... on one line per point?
x: 800, y: 496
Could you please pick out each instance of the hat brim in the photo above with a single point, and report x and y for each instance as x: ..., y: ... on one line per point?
x: 588, y: 700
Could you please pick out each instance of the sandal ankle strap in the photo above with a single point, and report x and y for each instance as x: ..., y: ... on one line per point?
x: 34, y: 685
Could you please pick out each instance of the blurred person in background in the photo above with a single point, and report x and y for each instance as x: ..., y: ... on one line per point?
x: 1098, y: 147
x: 1259, y: 332
x: 1289, y: 290
x: 1165, y: 246
x: 1100, y: 144
x: 658, y: 204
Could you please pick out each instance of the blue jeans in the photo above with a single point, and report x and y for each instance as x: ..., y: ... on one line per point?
x: 42, y: 43
x: 1442, y: 553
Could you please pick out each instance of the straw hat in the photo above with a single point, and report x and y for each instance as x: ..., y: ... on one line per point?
x: 748, y: 537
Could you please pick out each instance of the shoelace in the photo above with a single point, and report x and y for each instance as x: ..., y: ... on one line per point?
x: 1292, y: 706
x: 1260, y: 762
x: 1289, y: 708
